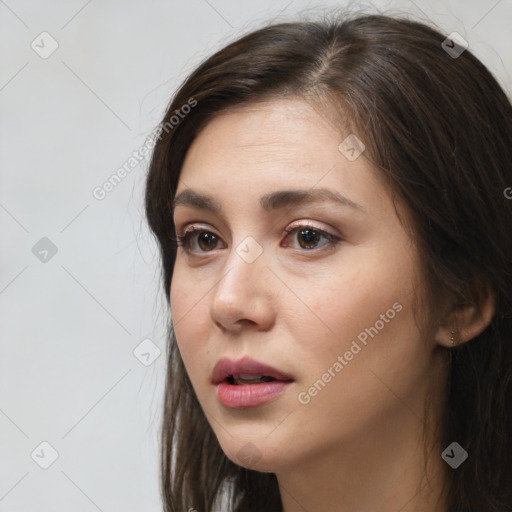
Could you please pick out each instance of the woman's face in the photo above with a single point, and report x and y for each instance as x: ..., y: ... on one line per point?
x: 335, y: 315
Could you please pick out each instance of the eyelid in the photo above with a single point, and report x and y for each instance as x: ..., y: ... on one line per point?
x: 190, y: 227
x: 306, y: 224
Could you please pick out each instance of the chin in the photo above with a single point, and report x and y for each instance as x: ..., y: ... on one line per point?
x: 258, y: 452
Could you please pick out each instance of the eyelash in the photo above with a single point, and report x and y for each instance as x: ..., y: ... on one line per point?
x: 332, y: 240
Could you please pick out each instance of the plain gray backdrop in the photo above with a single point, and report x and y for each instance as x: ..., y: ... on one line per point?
x: 82, y: 365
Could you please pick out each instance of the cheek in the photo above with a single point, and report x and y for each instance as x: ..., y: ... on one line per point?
x: 365, y: 315
x: 352, y: 299
x: 189, y: 311
x: 368, y: 320
x: 374, y: 377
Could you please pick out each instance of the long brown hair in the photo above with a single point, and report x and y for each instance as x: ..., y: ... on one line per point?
x: 439, y: 129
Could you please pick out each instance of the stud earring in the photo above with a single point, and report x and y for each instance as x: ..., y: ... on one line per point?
x: 452, y: 337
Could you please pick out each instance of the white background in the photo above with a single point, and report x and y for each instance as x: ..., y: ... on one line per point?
x: 69, y: 326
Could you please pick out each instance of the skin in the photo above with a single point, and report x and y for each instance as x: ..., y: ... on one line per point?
x: 298, y: 309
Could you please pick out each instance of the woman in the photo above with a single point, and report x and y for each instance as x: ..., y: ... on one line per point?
x: 330, y: 203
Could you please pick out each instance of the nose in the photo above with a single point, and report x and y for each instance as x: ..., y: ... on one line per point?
x: 243, y: 296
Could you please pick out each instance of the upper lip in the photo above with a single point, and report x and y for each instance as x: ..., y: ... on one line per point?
x: 227, y: 367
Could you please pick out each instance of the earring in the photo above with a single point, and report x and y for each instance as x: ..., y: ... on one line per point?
x: 452, y: 336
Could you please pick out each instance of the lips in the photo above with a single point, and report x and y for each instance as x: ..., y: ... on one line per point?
x: 245, y: 371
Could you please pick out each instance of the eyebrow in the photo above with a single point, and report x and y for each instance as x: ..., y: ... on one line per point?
x: 269, y: 202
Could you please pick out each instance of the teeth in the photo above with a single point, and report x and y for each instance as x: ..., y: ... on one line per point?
x: 249, y: 376
x: 244, y: 378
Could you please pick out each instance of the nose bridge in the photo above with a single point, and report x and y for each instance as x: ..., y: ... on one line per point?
x: 239, y: 294
x: 243, y: 266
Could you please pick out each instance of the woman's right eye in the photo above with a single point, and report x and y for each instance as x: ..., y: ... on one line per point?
x: 206, y: 241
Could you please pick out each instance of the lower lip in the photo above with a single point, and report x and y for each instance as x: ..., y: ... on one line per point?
x: 249, y: 395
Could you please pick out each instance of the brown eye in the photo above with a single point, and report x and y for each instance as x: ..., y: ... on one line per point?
x: 309, y: 236
x: 205, y: 240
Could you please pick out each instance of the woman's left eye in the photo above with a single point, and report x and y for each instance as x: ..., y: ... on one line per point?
x: 310, y: 235
x: 308, y: 238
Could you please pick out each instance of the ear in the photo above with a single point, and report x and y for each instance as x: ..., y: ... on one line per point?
x: 465, y: 322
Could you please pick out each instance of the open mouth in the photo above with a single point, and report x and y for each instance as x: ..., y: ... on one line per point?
x: 247, y: 372
x: 244, y: 379
x: 247, y: 382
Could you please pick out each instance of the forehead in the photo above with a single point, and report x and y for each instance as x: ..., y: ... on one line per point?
x: 270, y: 146
x: 287, y: 129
